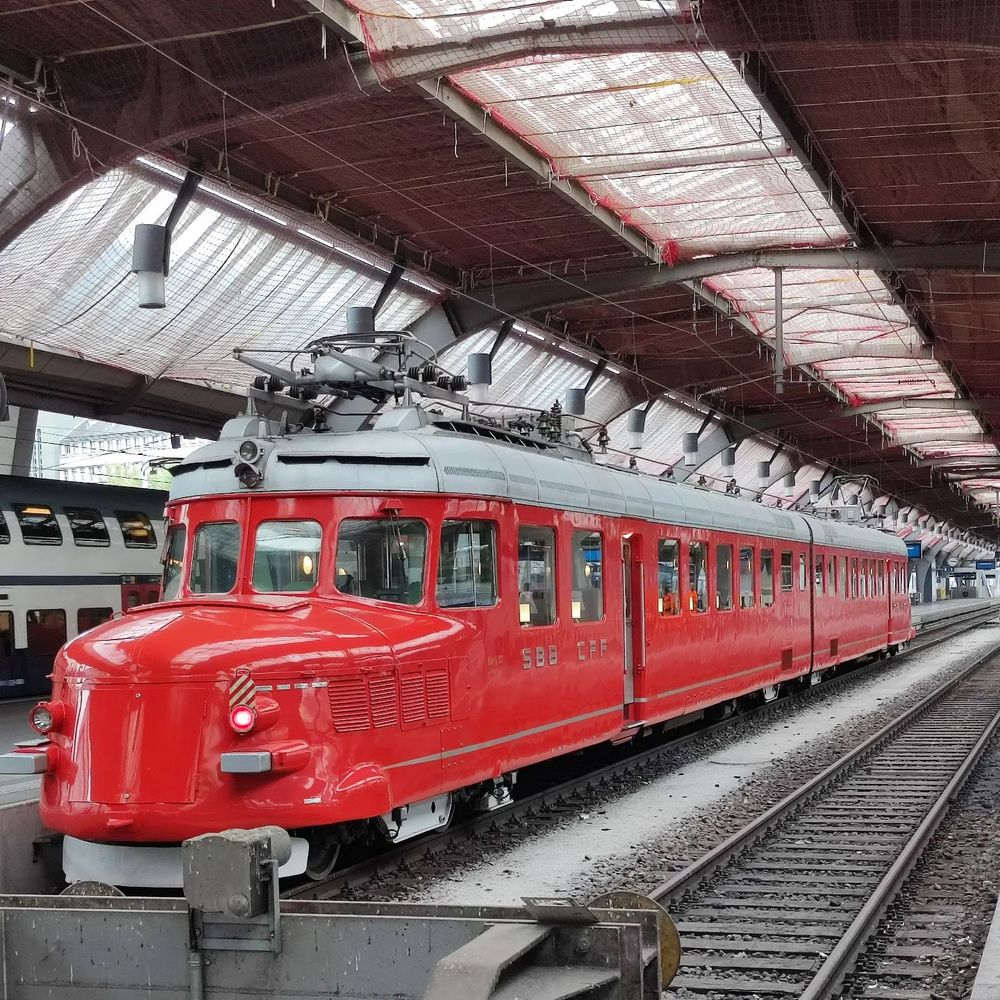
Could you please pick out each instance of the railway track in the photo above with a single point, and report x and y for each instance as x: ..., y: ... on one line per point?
x: 366, y: 869
x: 784, y: 906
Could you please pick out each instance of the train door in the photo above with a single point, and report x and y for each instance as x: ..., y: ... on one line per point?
x: 633, y: 617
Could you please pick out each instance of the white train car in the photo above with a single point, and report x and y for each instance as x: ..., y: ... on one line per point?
x: 72, y: 555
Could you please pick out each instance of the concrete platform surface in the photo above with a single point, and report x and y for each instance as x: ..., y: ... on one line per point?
x: 924, y: 614
x: 13, y: 727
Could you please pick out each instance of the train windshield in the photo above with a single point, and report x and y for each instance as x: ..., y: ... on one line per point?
x: 382, y: 558
x: 216, y: 554
x: 173, y: 561
x: 286, y: 556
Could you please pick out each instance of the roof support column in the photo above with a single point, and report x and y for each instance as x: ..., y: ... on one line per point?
x: 779, y: 333
x: 18, y: 462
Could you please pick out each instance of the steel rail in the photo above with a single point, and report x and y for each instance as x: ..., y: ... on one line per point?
x: 365, y: 870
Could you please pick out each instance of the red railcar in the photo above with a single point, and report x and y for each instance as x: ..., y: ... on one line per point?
x: 370, y: 628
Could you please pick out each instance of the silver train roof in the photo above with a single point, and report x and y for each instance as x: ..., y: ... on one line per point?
x: 407, y: 455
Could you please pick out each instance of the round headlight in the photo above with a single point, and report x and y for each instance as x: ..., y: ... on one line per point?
x: 249, y: 451
x: 242, y: 719
x: 41, y: 719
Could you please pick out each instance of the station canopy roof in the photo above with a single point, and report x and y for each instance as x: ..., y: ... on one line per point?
x: 622, y: 180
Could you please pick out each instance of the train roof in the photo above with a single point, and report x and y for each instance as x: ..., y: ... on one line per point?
x: 33, y: 489
x: 446, y: 456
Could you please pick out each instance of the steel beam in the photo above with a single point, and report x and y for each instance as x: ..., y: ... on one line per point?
x: 910, y: 403
x: 24, y: 441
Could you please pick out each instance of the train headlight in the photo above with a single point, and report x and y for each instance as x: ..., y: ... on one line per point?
x: 249, y: 451
x: 45, y: 717
x: 242, y: 719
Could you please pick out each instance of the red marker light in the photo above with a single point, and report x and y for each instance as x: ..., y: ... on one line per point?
x: 242, y: 718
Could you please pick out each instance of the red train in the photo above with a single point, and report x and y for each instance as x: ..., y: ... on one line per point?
x: 370, y: 628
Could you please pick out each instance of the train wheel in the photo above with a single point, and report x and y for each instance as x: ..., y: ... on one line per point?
x: 324, y: 852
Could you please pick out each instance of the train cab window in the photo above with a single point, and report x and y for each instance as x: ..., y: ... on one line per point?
x: 87, y: 525
x: 819, y: 574
x: 802, y: 571
x: 588, y: 577
x: 46, y: 631
x: 137, y: 529
x: 467, y: 565
x: 90, y: 617
x: 4, y: 530
x: 668, y: 558
x: 536, y: 575
x: 38, y: 524
x: 746, y: 577
x: 173, y: 560
x: 698, y: 576
x: 766, y: 578
x: 286, y: 556
x: 213, y: 561
x: 786, y: 571
x: 724, y: 577
x: 382, y: 559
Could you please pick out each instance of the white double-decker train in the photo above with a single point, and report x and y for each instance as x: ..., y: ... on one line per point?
x: 72, y: 555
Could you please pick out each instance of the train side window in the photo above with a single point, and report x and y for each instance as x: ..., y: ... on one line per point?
x: 216, y: 553
x: 137, y: 529
x: 90, y: 617
x: 881, y: 579
x: 87, y: 525
x: 588, y: 577
x: 6, y: 634
x: 819, y: 574
x: 286, y: 556
x: 854, y: 577
x: 843, y: 577
x: 802, y: 571
x: 865, y: 579
x: 724, y: 577
x: 871, y: 579
x: 536, y: 575
x: 698, y: 576
x: 786, y: 571
x: 382, y: 558
x: 746, y: 577
x: 4, y: 530
x: 46, y: 631
x: 173, y: 560
x: 38, y: 524
x: 831, y: 576
x: 668, y: 557
x: 766, y: 577
x: 467, y: 565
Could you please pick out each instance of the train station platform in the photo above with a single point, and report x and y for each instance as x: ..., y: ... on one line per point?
x: 13, y: 727
x: 940, y: 611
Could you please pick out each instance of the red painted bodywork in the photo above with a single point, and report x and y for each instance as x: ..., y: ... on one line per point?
x: 425, y: 700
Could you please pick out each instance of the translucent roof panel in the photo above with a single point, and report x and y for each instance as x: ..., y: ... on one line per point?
x: 674, y: 142
x: 242, y: 274
x: 666, y: 424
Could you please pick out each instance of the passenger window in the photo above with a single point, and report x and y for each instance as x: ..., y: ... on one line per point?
x: 137, y: 529
x: 864, y: 578
x: 881, y: 579
x: 382, y: 559
x: 669, y: 577
x: 786, y: 571
x: 467, y: 565
x: 4, y: 530
x: 746, y: 577
x: 216, y: 554
x: 286, y: 556
x: 819, y: 574
x: 831, y: 575
x: 87, y: 525
x: 46, y: 631
x: 802, y: 571
x: 6, y: 634
x: 38, y: 524
x: 536, y: 575
x: 724, y: 577
x: 173, y: 560
x: 89, y: 617
x: 843, y: 577
x: 698, y: 576
x: 588, y: 595
x: 766, y: 577
x: 854, y: 577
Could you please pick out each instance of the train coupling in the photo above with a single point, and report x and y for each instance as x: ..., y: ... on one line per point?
x: 27, y: 757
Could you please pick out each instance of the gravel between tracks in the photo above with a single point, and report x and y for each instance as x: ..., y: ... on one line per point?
x: 675, y: 808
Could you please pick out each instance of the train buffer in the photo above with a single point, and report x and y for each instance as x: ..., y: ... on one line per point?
x: 231, y: 932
